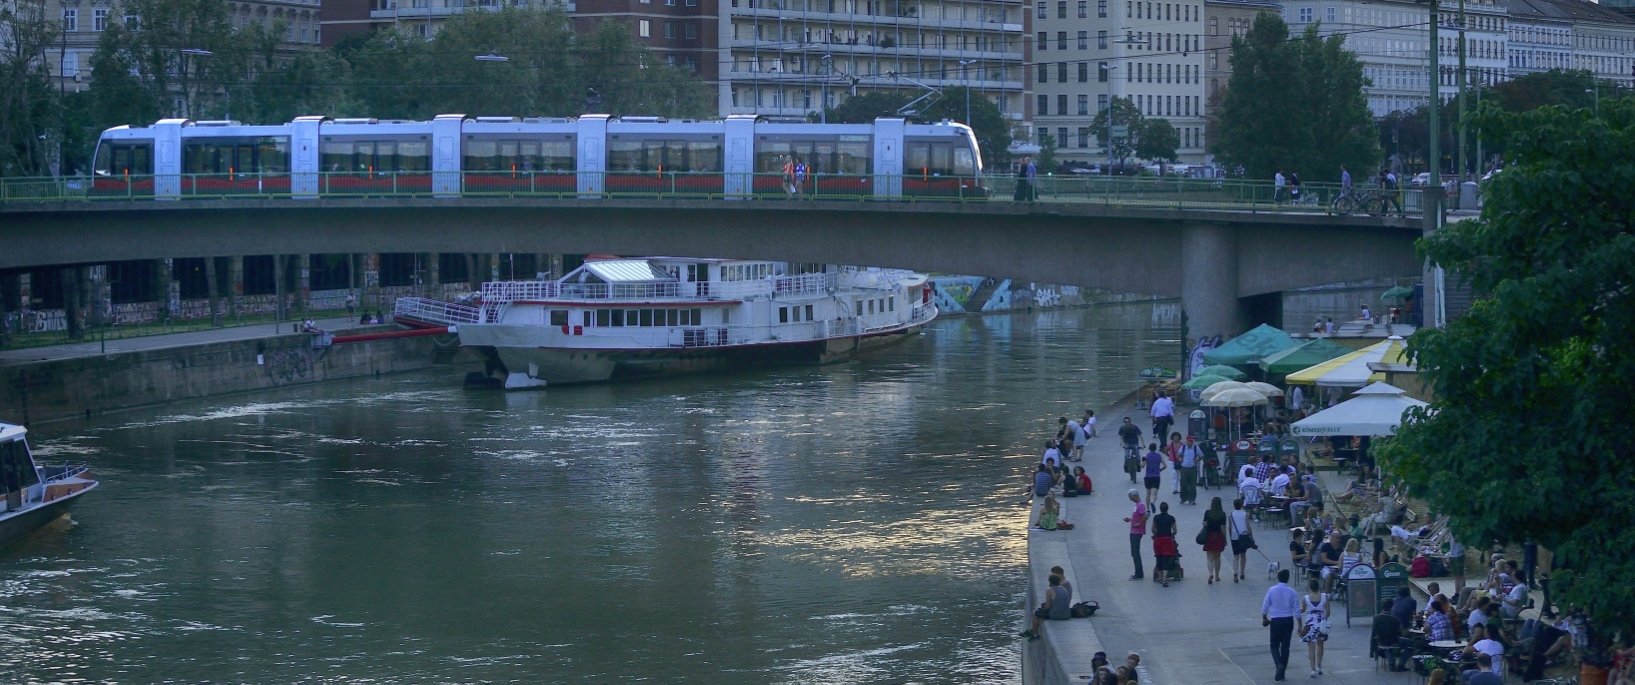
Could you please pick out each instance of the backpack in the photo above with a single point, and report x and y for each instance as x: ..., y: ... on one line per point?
x: 1085, y: 609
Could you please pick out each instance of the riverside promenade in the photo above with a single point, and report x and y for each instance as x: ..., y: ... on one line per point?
x: 1188, y: 633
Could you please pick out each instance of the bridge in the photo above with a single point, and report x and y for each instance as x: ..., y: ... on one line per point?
x: 1209, y: 253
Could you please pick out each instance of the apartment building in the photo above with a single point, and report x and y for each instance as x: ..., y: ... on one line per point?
x: 1603, y: 40
x: 1538, y: 38
x: 1225, y: 19
x: 791, y: 58
x: 1486, y: 45
x: 1093, y: 51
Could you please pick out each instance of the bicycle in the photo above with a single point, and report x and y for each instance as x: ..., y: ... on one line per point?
x: 1132, y: 460
x: 1372, y: 202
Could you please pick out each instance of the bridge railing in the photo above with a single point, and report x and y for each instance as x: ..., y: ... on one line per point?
x: 1160, y: 192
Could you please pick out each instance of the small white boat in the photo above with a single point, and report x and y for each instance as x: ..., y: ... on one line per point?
x: 620, y: 318
x: 35, y: 495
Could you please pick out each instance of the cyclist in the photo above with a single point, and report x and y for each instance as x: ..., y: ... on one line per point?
x: 1345, y: 181
x: 1130, y: 435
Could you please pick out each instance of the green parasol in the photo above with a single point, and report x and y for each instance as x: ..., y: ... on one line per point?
x: 1305, y: 356
x: 1201, y: 382
x: 1224, y: 371
x: 1398, y: 293
x: 1250, y: 347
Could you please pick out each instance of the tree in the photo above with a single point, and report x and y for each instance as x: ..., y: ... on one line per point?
x: 993, y: 134
x: 29, y: 105
x: 1157, y: 140
x: 1295, y: 104
x: 1528, y: 437
x: 1123, y: 112
x: 1554, y: 87
x: 141, y: 73
x: 865, y: 108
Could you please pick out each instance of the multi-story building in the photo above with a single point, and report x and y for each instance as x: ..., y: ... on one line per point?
x: 1603, y: 40
x: 1150, y: 53
x: 1226, y: 19
x: 790, y: 58
x: 1389, y: 37
x: 1538, y: 37
x: 1486, y: 45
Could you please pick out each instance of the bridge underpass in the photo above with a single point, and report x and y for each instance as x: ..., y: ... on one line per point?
x: 1211, y: 260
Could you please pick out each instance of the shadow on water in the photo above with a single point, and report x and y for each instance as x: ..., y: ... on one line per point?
x: 849, y: 522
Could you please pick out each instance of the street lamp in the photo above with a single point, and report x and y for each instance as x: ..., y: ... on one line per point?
x: 492, y: 57
x: 823, y: 109
x: 1597, y: 92
x: 188, y: 91
x: 964, y: 69
x: 1107, y: 75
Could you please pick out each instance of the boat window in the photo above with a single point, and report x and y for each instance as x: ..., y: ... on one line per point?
x: 16, y: 469
x: 891, y: 303
x: 783, y: 315
x: 586, y: 317
x: 602, y: 318
x: 559, y: 317
x: 618, y: 317
x: 808, y: 312
x: 631, y: 317
x: 647, y: 317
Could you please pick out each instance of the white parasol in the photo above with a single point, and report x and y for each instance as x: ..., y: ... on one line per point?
x: 1219, y: 388
x: 1236, y: 397
x: 1266, y: 389
x: 1375, y: 410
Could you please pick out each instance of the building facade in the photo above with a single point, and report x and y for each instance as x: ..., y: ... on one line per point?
x: 1538, y: 38
x: 1225, y: 20
x: 1087, y: 53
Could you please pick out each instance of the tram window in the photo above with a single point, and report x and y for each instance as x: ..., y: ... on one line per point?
x: 116, y: 158
x: 365, y: 156
x: 644, y: 155
x: 964, y: 161
x: 559, y: 317
x: 854, y: 157
x: 241, y: 156
x: 482, y: 154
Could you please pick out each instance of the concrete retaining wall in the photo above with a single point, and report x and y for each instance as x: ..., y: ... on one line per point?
x: 67, y: 388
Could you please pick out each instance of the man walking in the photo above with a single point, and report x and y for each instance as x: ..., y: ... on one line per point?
x: 1191, y: 455
x: 1024, y: 181
x: 1087, y: 430
x: 1345, y: 181
x: 1277, y: 611
x: 1163, y: 415
x: 1138, y: 529
x: 1277, y: 187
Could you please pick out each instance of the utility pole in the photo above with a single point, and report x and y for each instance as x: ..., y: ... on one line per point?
x: 1460, y: 174
x: 1434, y: 110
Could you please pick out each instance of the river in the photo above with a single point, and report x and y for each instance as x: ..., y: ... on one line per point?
x: 844, y: 523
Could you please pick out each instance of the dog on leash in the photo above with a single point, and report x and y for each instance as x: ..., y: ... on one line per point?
x: 1271, y: 569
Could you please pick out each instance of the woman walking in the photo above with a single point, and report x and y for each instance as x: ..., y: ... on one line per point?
x: 1214, y: 538
x: 1163, y: 543
x: 1314, y: 609
x: 1242, y: 537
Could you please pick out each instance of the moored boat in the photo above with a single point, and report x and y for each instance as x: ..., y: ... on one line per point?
x: 620, y: 318
x: 35, y: 495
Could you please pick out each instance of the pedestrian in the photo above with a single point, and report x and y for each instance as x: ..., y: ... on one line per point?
x: 1042, y: 480
x: 1314, y: 610
x: 1054, y: 608
x: 1066, y: 585
x: 1163, y: 415
x: 351, y: 304
x: 1130, y: 435
x: 1388, y: 635
x: 1242, y: 538
x: 1085, y: 487
x: 1138, y: 528
x: 1173, y: 452
x: 1163, y: 544
x: 1366, y: 315
x: 1053, y: 456
x: 1066, y: 436
x: 1294, y: 187
x: 1024, y: 181
x: 1345, y: 181
x: 1191, y: 456
x: 1277, y: 187
x: 800, y: 177
x: 1331, y: 325
x: 1214, y: 537
x: 789, y: 176
x: 1155, y: 466
x: 1277, y: 611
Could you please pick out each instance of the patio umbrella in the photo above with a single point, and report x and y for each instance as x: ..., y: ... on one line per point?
x: 1236, y: 397
x: 1375, y: 410
x: 1266, y: 389
x: 1219, y: 388
x: 1223, y: 371
x: 1398, y: 293
x: 1258, y: 342
x: 1351, y: 370
x: 1201, y: 382
x: 1307, y: 355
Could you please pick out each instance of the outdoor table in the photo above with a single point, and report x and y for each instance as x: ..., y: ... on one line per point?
x: 1449, y: 644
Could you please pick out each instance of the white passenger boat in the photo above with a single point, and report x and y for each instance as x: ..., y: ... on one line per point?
x: 618, y: 318
x: 35, y: 495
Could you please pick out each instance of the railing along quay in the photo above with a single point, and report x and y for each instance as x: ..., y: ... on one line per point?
x: 1155, y: 192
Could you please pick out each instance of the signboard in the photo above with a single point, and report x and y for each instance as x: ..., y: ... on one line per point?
x: 1360, y: 592
x: 1392, y: 577
x: 1121, y: 131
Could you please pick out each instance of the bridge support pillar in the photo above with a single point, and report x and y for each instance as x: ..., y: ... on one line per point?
x: 434, y: 275
x: 1209, y: 280
x: 235, y: 283
x: 303, y: 282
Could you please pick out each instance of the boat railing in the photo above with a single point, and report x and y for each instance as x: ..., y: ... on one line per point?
x: 428, y: 310
x: 57, y: 472
x: 512, y: 291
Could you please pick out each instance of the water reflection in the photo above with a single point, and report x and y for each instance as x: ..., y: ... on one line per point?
x: 852, y: 522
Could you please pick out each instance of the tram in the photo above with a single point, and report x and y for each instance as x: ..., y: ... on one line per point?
x: 587, y: 156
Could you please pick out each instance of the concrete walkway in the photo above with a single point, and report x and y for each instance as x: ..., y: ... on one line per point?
x: 1189, y: 632
x: 154, y: 342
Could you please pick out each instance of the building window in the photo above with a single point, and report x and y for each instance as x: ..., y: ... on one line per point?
x: 1061, y: 40
x: 1305, y: 15
x: 645, y: 29
x: 1042, y: 14
x: 1044, y: 73
x: 1101, y: 9
x: 1084, y: 40
x: 1084, y: 9
x: 1044, y: 106
x: 1061, y: 9
x: 70, y: 64
x: 1061, y: 73
x: 1084, y: 72
x: 669, y: 29
x: 692, y: 31
x: 1084, y: 105
x: 1101, y: 40
x: 1103, y: 68
x: 1330, y: 14
x: 1061, y: 137
x: 1044, y: 135
x: 1061, y: 105
x: 99, y: 19
x: 1084, y: 135
x: 1101, y: 102
x: 1043, y: 43
x: 70, y: 20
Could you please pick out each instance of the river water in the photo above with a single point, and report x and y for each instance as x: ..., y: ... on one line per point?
x: 845, y: 523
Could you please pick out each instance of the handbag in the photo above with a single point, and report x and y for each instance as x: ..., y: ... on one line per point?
x: 1203, y: 536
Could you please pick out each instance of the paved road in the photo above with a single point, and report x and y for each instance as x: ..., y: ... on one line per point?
x: 1190, y: 632
x: 153, y: 342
